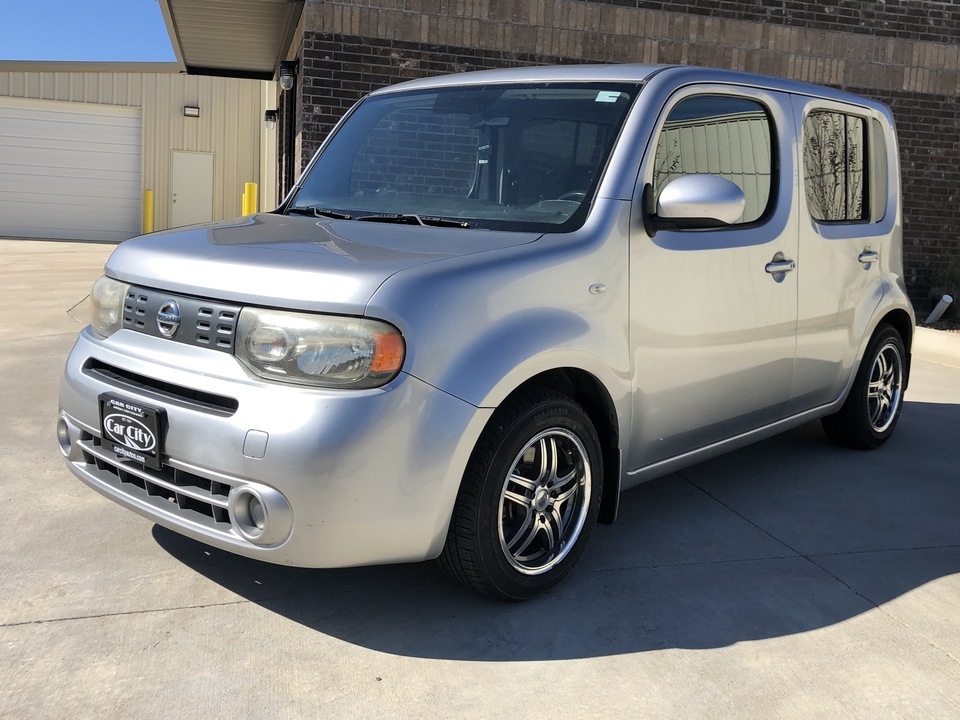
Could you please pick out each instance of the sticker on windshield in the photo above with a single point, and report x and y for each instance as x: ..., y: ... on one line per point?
x: 607, y: 96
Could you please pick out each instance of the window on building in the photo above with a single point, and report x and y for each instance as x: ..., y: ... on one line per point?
x: 834, y: 171
x: 719, y: 135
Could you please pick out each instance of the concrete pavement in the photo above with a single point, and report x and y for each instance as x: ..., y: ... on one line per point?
x: 45, y: 278
x: 791, y: 579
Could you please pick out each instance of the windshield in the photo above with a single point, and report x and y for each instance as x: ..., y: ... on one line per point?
x: 504, y: 157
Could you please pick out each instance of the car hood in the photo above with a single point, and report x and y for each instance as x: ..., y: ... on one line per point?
x: 293, y: 261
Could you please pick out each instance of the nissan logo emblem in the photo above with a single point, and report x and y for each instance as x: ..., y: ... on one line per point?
x: 168, y: 318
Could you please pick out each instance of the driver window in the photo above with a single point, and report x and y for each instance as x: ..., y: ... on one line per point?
x: 718, y: 135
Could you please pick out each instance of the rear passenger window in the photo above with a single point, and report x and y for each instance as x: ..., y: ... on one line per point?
x: 719, y: 135
x: 834, y: 167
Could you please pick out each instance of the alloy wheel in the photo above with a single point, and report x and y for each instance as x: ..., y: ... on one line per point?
x: 544, y: 501
x: 885, y: 388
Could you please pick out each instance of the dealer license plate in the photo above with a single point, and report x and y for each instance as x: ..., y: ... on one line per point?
x: 131, y: 430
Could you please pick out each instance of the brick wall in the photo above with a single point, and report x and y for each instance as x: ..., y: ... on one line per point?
x: 811, y: 42
x: 925, y: 20
x: 928, y: 127
x: 903, y: 52
x: 338, y: 70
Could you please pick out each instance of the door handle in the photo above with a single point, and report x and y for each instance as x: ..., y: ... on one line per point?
x: 779, y: 267
x: 868, y: 257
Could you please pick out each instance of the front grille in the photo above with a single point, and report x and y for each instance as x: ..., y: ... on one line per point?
x: 176, y: 492
x: 203, y: 323
x: 161, y: 390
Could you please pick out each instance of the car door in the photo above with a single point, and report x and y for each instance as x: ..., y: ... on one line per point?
x: 843, y: 226
x: 714, y: 311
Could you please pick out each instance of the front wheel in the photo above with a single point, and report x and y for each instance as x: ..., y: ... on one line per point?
x: 870, y: 413
x: 529, y: 498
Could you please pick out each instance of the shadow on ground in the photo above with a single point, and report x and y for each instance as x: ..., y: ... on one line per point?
x: 784, y: 537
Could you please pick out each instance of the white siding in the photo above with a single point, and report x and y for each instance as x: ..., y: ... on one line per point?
x: 230, y: 124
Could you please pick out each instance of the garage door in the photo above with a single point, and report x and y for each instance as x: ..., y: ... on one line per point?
x: 69, y: 170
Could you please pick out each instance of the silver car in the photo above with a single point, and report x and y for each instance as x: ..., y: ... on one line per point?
x: 493, y: 302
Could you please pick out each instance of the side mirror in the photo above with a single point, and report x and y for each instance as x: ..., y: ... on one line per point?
x: 699, y: 201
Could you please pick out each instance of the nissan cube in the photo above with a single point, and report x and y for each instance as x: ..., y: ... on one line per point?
x: 493, y: 302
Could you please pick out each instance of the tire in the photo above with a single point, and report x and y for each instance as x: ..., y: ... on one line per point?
x: 529, y: 498
x: 869, y: 415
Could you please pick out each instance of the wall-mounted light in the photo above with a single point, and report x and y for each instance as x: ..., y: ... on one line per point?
x: 288, y: 74
x: 191, y: 111
x: 270, y: 119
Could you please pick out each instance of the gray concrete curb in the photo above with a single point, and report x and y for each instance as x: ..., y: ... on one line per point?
x: 937, y: 346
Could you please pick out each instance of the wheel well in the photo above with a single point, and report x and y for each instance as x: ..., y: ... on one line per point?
x: 588, y: 392
x: 900, y: 321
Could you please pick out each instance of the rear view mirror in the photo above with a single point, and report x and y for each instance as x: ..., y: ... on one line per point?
x: 477, y: 120
x: 699, y: 201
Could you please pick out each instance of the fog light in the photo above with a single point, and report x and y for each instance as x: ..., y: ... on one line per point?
x: 249, y: 514
x: 63, y: 437
x: 260, y: 514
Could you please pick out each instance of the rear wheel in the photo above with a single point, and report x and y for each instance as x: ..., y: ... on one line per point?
x: 870, y: 413
x: 529, y: 498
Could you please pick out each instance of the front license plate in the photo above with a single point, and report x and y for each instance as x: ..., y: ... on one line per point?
x: 131, y: 430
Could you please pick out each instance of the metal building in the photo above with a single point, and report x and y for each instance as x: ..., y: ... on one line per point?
x: 81, y: 143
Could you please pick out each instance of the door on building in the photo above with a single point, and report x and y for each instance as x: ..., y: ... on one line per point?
x: 191, y: 196
x: 69, y: 170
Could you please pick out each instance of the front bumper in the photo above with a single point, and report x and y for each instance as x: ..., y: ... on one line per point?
x: 367, y: 476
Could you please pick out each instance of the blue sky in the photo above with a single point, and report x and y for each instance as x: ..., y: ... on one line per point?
x: 88, y: 30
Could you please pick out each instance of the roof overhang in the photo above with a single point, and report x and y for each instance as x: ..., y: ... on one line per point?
x: 231, y: 38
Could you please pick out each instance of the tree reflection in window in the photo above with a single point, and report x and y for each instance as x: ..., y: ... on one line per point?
x: 833, y: 166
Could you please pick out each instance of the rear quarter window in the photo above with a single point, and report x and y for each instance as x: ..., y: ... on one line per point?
x: 835, y: 167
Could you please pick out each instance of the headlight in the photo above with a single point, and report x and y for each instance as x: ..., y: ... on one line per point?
x: 322, y: 350
x: 107, y: 299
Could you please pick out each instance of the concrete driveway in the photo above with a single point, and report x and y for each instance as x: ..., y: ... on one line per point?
x: 787, y: 580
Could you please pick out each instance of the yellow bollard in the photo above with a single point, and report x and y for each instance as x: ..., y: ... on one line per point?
x: 146, y: 222
x: 249, y: 198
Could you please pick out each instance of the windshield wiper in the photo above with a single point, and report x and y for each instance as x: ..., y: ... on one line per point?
x: 320, y: 212
x: 425, y: 220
